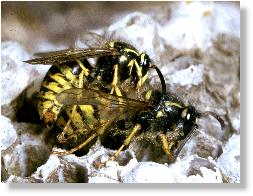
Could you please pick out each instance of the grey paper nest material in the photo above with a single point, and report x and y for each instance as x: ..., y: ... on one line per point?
x: 197, y: 47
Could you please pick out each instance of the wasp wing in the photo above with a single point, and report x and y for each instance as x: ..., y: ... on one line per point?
x: 91, y: 39
x: 68, y: 55
x: 85, y: 96
x: 109, y: 108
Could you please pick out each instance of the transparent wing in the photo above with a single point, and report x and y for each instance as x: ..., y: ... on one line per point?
x: 85, y: 96
x: 91, y: 40
x: 68, y: 55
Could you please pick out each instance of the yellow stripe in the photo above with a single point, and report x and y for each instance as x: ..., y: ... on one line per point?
x: 148, y: 95
x: 58, y: 78
x: 55, y: 110
x: 48, y: 95
x: 139, y: 69
x: 67, y: 72
x: 88, y: 112
x: 169, y: 103
x: 167, y: 146
x: 46, y: 105
x: 142, y: 57
x: 54, y: 86
x: 131, y: 50
x: 183, y: 114
x: 76, y: 119
x: 85, y: 70
x: 159, y: 114
x: 130, y: 64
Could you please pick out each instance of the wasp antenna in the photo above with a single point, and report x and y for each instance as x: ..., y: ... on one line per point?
x: 209, y: 113
x: 161, y: 78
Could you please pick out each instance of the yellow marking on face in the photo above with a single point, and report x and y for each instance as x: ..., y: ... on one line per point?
x: 131, y: 50
x: 159, y: 114
x: 169, y: 103
x: 183, y: 115
x: 142, y: 57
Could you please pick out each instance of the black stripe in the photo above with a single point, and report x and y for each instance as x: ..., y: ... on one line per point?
x: 64, y: 115
x: 57, y: 69
x: 72, y: 125
x: 54, y: 69
x: 42, y: 99
x: 87, y: 64
x: 44, y: 90
x: 78, y: 109
x: 96, y: 113
x: 48, y: 79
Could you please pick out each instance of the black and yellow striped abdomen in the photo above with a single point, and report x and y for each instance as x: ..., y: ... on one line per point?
x: 74, y: 122
x: 57, y: 79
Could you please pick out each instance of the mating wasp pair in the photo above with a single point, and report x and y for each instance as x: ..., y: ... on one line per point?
x: 111, y: 99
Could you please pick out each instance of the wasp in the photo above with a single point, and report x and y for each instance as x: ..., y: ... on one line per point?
x: 160, y: 114
x: 106, y: 100
x: 119, y: 67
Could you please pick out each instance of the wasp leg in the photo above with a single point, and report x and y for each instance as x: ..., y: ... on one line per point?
x: 126, y: 141
x: 61, y: 137
x: 166, y: 147
x: 115, y: 81
x: 141, y: 78
x: 181, y: 145
x: 141, y: 81
x: 87, y: 141
x: 85, y: 70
